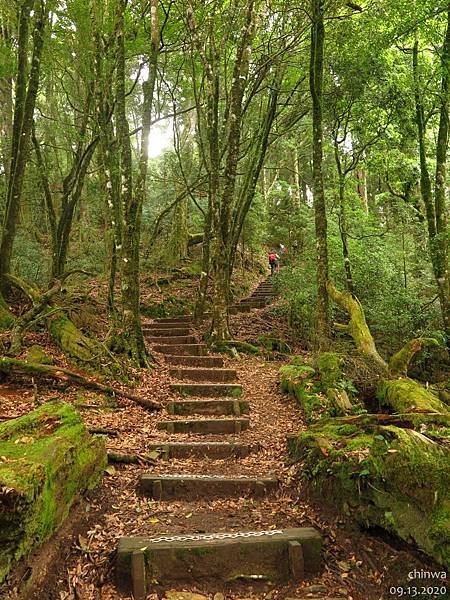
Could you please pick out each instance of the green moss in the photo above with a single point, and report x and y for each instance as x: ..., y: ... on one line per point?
x: 36, y: 354
x: 244, y: 347
x: 47, y: 460
x: 406, y: 395
x: 171, y: 306
x: 329, y: 365
x: 295, y: 379
x: 390, y: 477
x: 6, y: 318
x: 273, y: 344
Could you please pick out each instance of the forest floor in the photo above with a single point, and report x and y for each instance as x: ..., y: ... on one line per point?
x: 80, y: 564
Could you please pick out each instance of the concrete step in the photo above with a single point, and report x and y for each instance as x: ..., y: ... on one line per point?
x: 172, y: 339
x: 166, y: 332
x: 205, y: 426
x: 277, y: 555
x: 181, y: 349
x: 203, y: 374
x: 208, y: 407
x: 195, y: 361
x: 219, y: 450
x: 207, y: 389
x: 191, y: 487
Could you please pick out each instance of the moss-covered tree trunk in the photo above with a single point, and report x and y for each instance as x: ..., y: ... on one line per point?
x: 206, y: 266
x: 132, y: 200
x: 315, y: 84
x: 26, y: 89
x: 436, y: 204
x: 49, y: 461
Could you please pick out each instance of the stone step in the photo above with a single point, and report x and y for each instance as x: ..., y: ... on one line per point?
x: 204, y: 426
x: 208, y: 407
x: 238, y: 308
x: 171, y: 339
x: 166, y: 325
x: 181, y: 349
x: 253, y: 303
x: 179, y: 319
x: 195, y: 361
x: 203, y: 374
x: 166, y: 332
x: 207, y: 389
x: 277, y: 555
x: 217, y: 450
x: 191, y: 487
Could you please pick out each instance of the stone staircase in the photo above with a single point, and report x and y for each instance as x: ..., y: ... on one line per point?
x: 210, y: 404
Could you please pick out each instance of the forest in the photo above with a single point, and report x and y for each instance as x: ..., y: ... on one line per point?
x: 224, y: 299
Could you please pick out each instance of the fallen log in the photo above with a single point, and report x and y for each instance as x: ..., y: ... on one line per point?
x: 49, y: 461
x: 60, y: 374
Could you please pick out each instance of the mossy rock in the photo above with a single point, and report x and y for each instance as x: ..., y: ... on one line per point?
x: 36, y: 354
x: 48, y: 460
x: 389, y: 477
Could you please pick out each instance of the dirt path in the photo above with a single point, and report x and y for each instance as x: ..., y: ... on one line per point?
x: 356, y: 566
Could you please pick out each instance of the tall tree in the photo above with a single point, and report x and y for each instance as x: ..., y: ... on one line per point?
x: 435, y: 200
x: 316, y: 85
x: 27, y: 85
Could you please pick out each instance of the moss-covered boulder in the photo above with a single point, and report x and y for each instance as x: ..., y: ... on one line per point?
x: 37, y: 355
x: 47, y: 460
x: 389, y: 477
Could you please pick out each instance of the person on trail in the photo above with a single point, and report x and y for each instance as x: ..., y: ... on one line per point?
x: 273, y: 261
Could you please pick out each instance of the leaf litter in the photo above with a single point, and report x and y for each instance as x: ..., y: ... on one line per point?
x: 356, y: 565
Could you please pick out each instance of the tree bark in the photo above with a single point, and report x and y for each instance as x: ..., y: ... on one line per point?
x: 435, y: 206
x: 26, y: 91
x: 132, y: 202
x: 315, y: 84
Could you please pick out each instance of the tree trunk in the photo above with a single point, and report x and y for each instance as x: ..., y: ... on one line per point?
x: 435, y: 207
x: 315, y: 82
x: 206, y: 266
x: 25, y: 101
x: 6, y: 105
x: 361, y: 188
x: 344, y: 236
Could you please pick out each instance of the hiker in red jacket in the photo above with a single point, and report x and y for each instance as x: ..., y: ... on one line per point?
x: 273, y: 261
